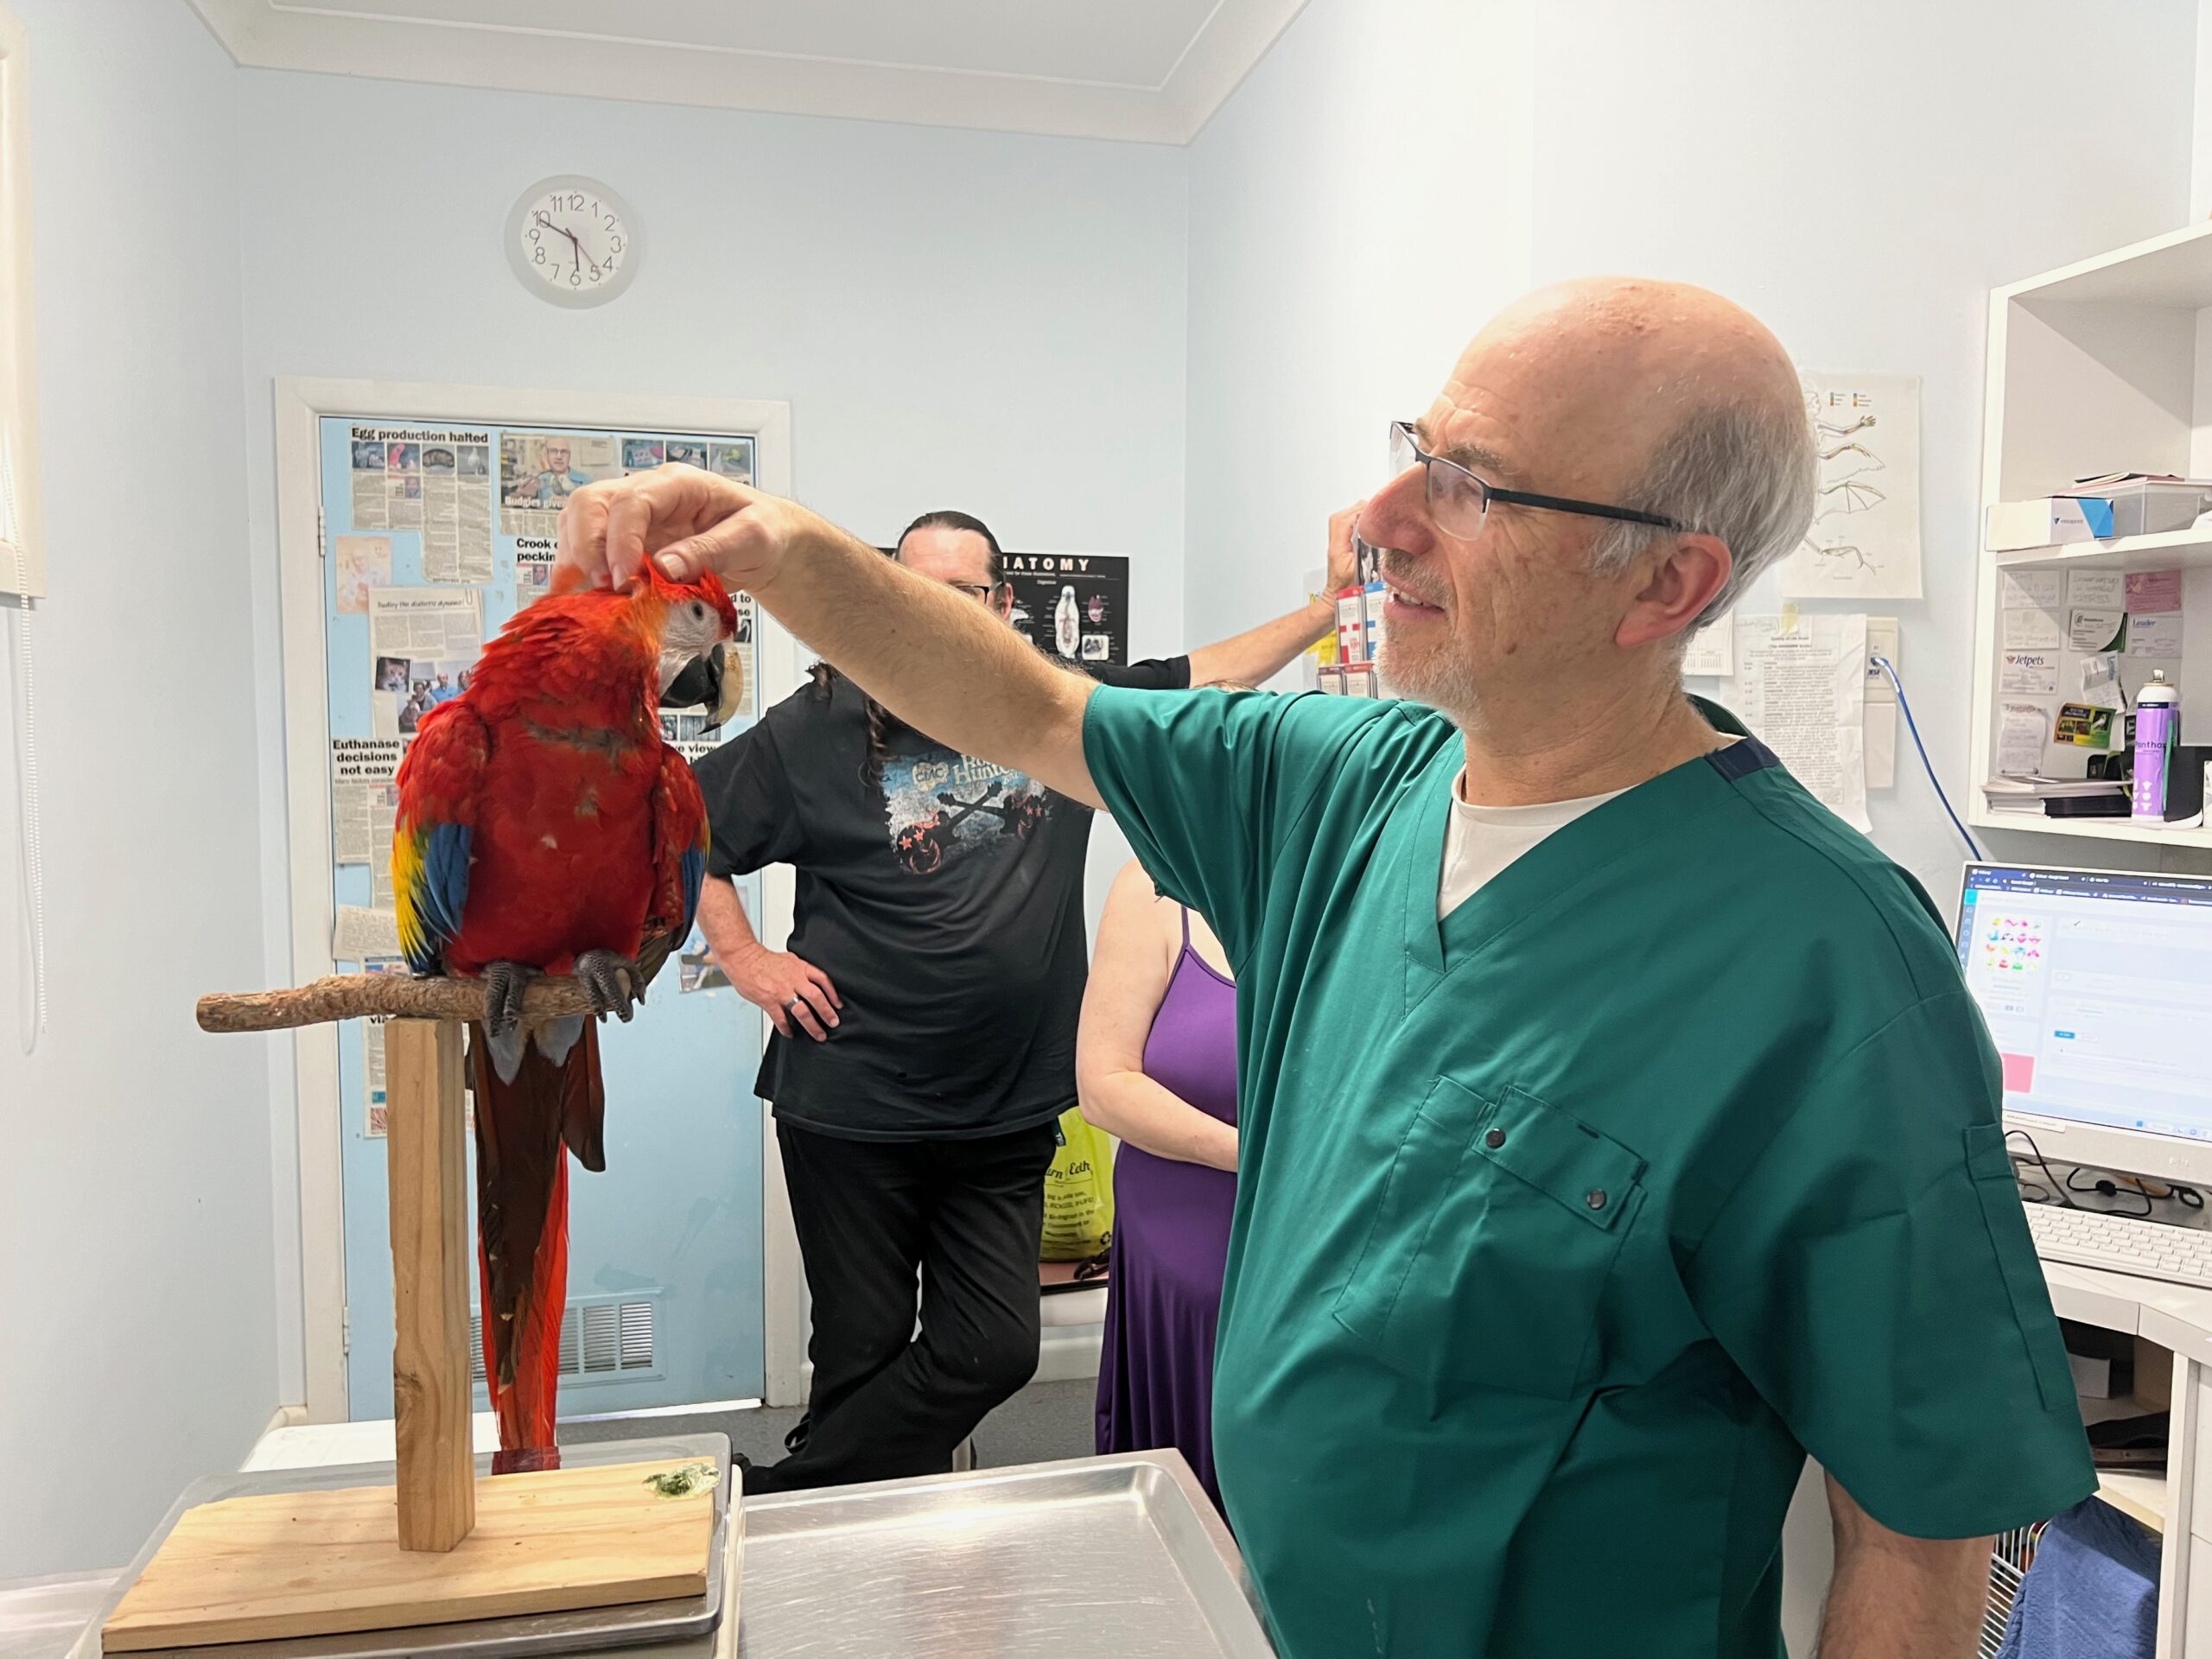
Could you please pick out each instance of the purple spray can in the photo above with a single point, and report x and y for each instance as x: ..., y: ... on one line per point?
x: 2158, y: 728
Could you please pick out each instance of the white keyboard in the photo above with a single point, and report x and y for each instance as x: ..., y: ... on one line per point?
x: 2149, y: 1249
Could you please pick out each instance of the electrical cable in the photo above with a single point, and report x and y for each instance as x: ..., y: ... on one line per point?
x: 1913, y: 726
x: 2104, y: 1185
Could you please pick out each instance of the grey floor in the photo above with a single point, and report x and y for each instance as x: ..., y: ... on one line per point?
x: 1045, y: 1421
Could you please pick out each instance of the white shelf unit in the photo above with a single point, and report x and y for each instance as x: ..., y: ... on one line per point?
x: 2102, y: 366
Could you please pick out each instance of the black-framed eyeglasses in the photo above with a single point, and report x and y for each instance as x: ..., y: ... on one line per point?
x: 1459, y: 501
x: 978, y: 590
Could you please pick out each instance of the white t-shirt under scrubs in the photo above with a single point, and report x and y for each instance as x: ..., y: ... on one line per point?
x: 1480, y: 841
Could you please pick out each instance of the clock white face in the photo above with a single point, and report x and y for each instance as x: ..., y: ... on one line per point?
x: 573, y: 241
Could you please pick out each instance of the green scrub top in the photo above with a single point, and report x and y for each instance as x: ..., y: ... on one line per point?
x: 1565, y: 1227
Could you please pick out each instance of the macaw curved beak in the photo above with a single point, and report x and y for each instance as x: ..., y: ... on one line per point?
x: 700, y: 682
x: 715, y: 682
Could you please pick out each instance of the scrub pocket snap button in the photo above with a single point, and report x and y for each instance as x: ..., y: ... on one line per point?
x: 1495, y: 1138
x: 1595, y: 1198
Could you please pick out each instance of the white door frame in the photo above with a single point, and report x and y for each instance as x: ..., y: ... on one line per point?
x: 301, y: 403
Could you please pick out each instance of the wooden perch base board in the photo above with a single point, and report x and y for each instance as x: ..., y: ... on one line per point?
x: 298, y: 1564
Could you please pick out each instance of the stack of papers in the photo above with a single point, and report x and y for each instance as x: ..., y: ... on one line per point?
x: 2108, y: 480
x: 2028, y: 794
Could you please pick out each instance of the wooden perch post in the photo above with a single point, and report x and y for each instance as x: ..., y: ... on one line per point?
x: 428, y: 1169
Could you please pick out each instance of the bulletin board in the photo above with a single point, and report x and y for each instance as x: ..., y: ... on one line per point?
x: 435, y: 514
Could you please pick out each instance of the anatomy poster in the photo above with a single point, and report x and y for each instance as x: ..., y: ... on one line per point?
x: 1865, y: 539
x: 1074, y: 606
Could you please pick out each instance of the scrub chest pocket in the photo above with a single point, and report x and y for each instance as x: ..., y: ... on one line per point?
x: 1492, y: 1244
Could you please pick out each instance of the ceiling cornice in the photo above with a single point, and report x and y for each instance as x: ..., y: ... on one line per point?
x: 1234, y: 37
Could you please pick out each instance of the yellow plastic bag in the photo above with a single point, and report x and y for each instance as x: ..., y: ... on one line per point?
x: 1078, y: 1192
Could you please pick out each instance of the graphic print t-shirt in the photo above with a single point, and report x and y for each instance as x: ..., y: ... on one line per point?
x: 945, y: 902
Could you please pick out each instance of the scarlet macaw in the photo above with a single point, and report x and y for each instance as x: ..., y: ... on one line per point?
x: 543, y: 826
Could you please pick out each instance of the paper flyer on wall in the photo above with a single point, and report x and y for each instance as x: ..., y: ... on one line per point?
x: 361, y: 932
x: 372, y: 1072
x: 2156, y: 591
x: 362, y: 563
x: 1711, y: 654
x: 2155, y: 637
x: 2023, y: 728
x: 422, y: 643
x: 360, y: 766
x: 1864, y: 538
x: 2096, y: 590
x: 1802, y: 690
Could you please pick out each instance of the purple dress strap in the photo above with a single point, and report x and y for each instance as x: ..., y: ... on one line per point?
x: 1171, y: 1237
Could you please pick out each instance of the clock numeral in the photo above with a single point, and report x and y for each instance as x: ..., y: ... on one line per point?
x: 610, y: 222
x: 596, y: 273
x: 575, y: 199
x: 538, y: 257
x: 576, y: 279
x: 618, y: 245
x: 535, y: 234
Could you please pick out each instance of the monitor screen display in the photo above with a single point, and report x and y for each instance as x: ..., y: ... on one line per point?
x: 2097, y: 988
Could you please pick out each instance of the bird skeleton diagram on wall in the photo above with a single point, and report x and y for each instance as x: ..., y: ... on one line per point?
x: 1864, y: 538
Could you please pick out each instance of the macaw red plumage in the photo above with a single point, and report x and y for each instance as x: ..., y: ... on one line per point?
x: 543, y: 826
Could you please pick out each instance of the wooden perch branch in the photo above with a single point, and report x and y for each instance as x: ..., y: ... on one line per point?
x: 353, y: 997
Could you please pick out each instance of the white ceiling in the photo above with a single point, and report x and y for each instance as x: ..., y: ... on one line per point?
x: 1151, y: 71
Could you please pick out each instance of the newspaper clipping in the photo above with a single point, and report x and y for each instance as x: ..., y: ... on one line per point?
x: 372, y: 1087
x: 435, y: 480
x: 359, y: 767
x: 422, y: 644
x: 533, y: 569
x: 362, y: 563
x: 538, y: 471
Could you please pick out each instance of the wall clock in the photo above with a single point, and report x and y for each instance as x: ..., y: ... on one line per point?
x: 572, y: 241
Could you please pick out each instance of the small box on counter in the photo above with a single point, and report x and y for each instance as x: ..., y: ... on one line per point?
x: 1351, y: 626
x: 1359, y: 680
x: 2046, y: 522
x: 1374, y: 599
x: 1332, y: 679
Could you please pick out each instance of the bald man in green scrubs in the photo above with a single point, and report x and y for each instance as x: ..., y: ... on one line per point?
x: 1617, y: 1129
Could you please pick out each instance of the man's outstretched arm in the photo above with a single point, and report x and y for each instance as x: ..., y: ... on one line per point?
x: 1257, y: 655
x: 942, y: 663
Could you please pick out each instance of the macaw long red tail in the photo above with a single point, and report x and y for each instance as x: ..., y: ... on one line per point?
x: 522, y: 1229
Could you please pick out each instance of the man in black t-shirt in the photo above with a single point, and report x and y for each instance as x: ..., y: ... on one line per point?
x: 924, y: 1023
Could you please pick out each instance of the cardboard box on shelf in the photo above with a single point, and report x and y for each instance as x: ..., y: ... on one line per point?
x: 2046, y: 521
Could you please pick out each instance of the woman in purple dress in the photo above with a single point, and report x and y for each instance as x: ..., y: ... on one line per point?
x: 1156, y: 1065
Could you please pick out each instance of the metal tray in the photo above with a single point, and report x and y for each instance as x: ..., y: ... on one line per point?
x: 1120, y: 1556
x: 686, y: 1620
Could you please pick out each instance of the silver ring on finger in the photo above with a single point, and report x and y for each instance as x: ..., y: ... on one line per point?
x: 793, y: 1007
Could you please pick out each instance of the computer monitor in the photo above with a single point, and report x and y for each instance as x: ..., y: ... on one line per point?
x: 2097, y: 988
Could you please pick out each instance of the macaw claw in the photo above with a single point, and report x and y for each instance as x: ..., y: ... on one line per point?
x: 613, y: 981
x: 503, y: 984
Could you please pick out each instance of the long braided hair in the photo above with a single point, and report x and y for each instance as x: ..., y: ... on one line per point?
x: 879, y: 718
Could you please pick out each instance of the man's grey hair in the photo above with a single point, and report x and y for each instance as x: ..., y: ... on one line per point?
x: 1741, y: 472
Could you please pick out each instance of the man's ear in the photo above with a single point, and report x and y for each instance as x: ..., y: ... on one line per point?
x: 1682, y: 577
